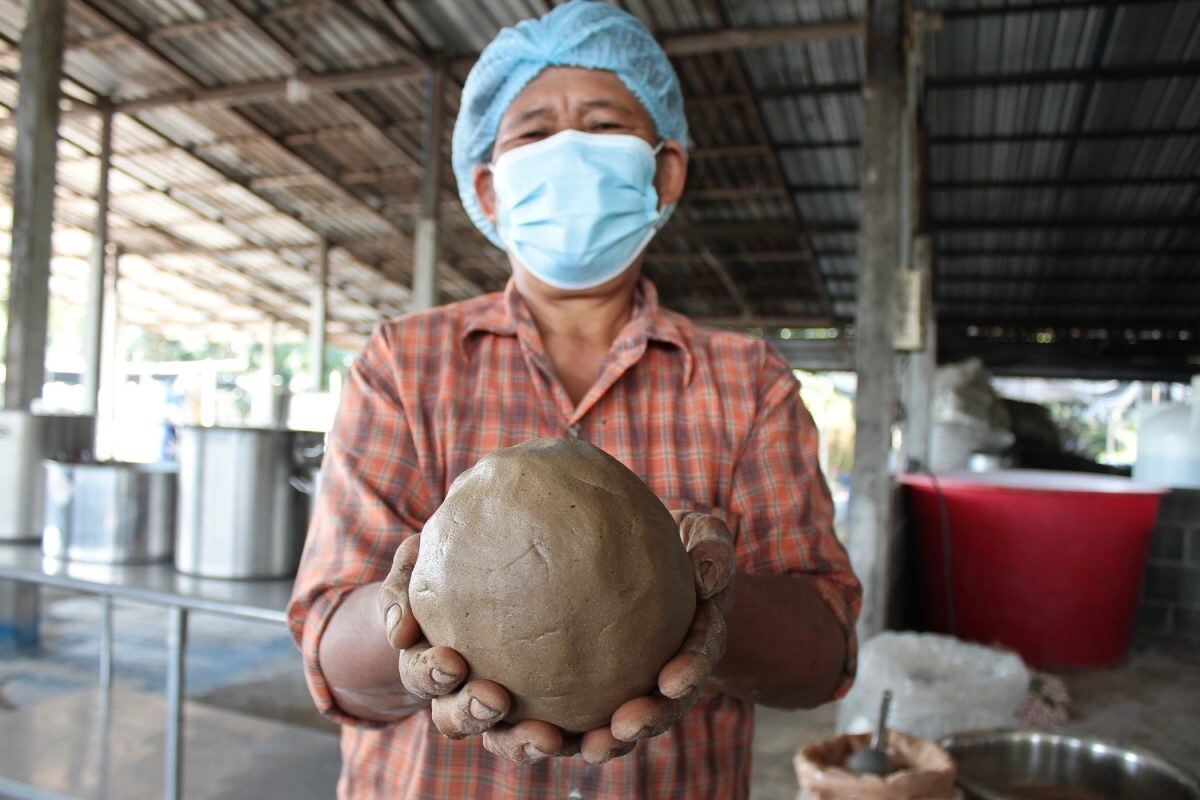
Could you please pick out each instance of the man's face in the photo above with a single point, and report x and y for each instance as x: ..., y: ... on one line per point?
x: 588, y: 100
x: 561, y: 98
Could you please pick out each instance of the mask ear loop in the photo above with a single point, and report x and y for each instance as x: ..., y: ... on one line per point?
x: 664, y: 213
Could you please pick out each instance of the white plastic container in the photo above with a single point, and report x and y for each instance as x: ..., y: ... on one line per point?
x: 1169, y: 444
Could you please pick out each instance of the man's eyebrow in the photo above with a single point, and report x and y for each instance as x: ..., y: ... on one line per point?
x: 610, y: 104
x: 532, y: 113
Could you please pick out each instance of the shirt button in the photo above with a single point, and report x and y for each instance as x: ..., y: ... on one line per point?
x: 575, y: 795
x: 573, y: 431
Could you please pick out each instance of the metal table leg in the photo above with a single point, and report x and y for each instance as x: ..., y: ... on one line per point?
x: 106, y: 641
x: 173, y: 753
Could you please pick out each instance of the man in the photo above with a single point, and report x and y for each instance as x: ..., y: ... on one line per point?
x: 570, y: 152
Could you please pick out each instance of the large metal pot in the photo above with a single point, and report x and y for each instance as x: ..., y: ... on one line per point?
x: 241, y: 513
x: 109, y: 511
x: 1032, y: 765
x: 26, y: 439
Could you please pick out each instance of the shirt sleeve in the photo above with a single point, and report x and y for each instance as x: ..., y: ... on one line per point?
x: 784, y: 504
x: 372, y: 496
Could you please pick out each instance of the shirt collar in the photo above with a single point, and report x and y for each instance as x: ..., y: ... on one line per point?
x: 507, y: 314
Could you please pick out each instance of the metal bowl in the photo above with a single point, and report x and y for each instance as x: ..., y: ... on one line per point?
x: 1030, y: 765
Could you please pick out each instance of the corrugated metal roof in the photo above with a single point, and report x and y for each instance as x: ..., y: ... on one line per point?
x: 1063, y: 155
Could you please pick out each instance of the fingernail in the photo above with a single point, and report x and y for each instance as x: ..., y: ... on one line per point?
x: 444, y: 678
x: 535, y: 753
x: 616, y: 752
x: 481, y: 712
x: 393, y: 617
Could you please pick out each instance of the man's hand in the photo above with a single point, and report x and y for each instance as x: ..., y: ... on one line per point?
x: 479, y: 706
x: 710, y: 547
x: 435, y: 673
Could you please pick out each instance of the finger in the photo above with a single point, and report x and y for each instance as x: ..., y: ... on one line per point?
x: 644, y: 717
x: 402, y: 628
x: 710, y: 548
x: 699, y: 654
x: 476, y: 707
x: 526, y: 742
x: 431, y: 672
x: 600, y: 746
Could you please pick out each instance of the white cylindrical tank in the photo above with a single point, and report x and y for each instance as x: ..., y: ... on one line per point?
x: 1169, y: 443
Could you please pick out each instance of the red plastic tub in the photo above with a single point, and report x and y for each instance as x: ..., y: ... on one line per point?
x: 1046, y: 563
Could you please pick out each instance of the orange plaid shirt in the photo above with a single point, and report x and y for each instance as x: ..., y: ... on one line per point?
x: 712, y: 421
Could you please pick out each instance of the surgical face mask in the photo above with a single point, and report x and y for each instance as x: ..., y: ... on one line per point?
x: 577, y: 208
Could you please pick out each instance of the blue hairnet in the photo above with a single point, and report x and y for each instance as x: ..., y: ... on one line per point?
x: 581, y: 33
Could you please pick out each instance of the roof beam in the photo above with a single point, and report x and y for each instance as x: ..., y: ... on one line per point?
x: 192, y: 85
x: 847, y: 88
x: 1092, y: 223
x: 757, y: 123
x: 1121, y: 72
x: 199, y: 280
x: 950, y: 15
x: 1054, y: 138
x: 1089, y: 91
x: 184, y: 29
x: 961, y: 286
x: 272, y: 89
x: 948, y: 253
x: 730, y: 151
x: 828, y: 144
x: 747, y: 232
x: 1067, y: 183
x: 752, y: 257
x: 690, y: 44
x: 735, y: 193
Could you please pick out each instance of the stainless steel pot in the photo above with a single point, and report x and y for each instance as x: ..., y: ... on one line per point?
x: 109, y: 512
x: 1031, y: 765
x: 26, y: 439
x: 240, y: 516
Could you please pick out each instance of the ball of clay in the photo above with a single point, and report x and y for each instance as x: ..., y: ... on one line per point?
x: 556, y: 572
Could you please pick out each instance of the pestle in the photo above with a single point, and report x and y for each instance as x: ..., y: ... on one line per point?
x: 873, y: 759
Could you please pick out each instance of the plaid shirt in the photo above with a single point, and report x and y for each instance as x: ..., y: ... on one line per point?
x: 712, y: 421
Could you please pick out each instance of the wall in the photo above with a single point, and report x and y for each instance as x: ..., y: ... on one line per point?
x: 1170, y: 601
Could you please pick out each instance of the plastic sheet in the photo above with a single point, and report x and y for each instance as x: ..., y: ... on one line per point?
x: 940, y: 685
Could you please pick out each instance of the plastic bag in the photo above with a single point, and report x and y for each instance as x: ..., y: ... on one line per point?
x: 968, y: 417
x: 939, y: 685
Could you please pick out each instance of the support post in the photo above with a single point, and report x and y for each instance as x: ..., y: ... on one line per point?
x: 93, y: 326
x: 426, y: 245
x: 317, y: 317
x: 881, y: 232
x: 177, y: 627
x: 263, y: 406
x: 33, y: 201
x: 106, y: 642
x: 110, y: 363
x: 920, y: 366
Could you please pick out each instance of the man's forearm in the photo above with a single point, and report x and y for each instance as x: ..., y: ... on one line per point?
x: 360, y: 667
x: 785, y: 647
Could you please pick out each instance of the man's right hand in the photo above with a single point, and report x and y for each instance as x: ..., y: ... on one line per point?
x: 437, y: 673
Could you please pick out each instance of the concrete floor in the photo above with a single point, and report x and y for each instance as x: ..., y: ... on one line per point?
x: 248, y: 709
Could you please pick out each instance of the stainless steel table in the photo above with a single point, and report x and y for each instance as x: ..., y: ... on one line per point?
x: 156, y: 584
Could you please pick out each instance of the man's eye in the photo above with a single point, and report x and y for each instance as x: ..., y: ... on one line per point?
x: 606, y: 126
x: 535, y: 134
